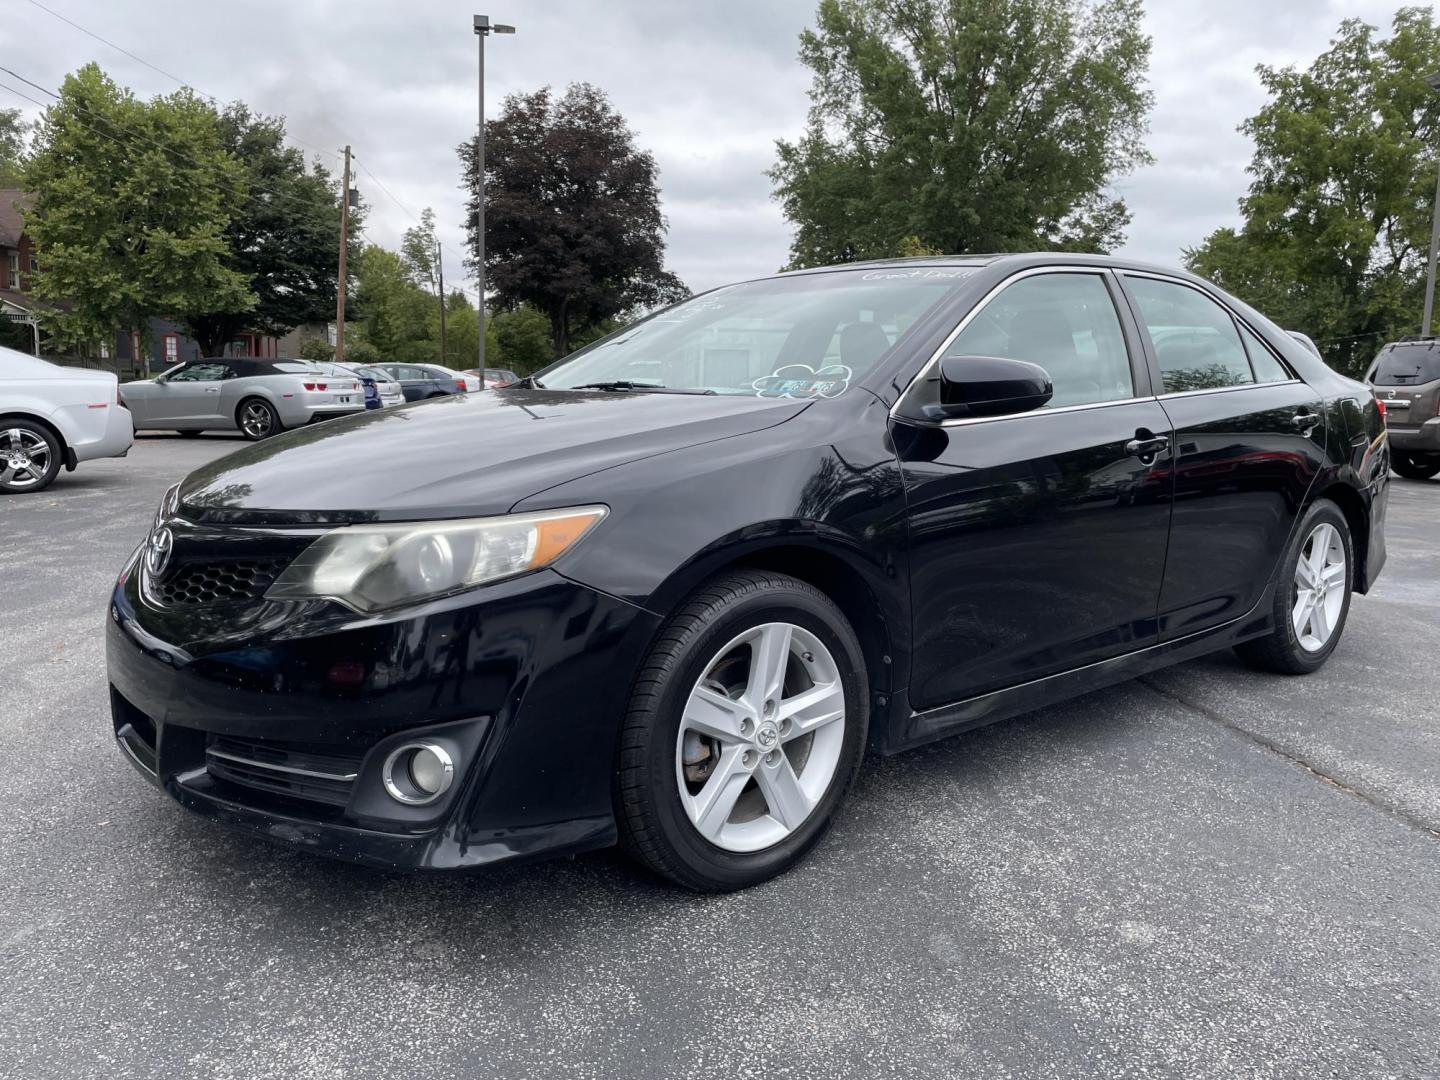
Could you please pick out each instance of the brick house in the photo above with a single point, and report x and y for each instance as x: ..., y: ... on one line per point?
x: 168, y: 342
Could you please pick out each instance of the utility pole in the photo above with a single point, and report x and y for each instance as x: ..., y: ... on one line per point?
x: 1434, y: 83
x: 344, y: 250
x: 483, y: 29
x: 440, y: 269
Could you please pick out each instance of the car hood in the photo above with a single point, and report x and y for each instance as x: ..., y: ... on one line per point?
x: 460, y: 456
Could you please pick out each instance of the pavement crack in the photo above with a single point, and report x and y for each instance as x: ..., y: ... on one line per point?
x: 1294, y: 759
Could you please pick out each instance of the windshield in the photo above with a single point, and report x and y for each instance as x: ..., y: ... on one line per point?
x: 808, y: 335
x: 1407, y: 365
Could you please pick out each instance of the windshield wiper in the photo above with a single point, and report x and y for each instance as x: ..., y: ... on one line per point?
x: 652, y: 388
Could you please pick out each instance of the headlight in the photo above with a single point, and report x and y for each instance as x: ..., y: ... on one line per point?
x: 373, y: 567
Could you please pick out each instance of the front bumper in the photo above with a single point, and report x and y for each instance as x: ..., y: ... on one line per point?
x: 524, y: 681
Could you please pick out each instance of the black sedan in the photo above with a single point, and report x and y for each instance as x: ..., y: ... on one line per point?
x: 421, y: 381
x: 667, y: 591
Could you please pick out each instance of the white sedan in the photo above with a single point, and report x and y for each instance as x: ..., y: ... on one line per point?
x: 52, y: 416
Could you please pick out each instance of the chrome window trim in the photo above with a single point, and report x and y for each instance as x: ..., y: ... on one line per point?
x: 984, y: 302
x: 1227, y: 389
x: 958, y: 421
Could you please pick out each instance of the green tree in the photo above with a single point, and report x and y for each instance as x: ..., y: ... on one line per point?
x: 1337, y: 220
x: 417, y: 250
x: 523, y: 337
x: 572, y: 219
x: 320, y: 349
x: 12, y: 148
x: 394, y: 313
x: 283, y: 238
x: 965, y: 125
x: 132, y: 202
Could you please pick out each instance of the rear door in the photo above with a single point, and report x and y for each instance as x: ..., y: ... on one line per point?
x: 1250, y: 440
x: 1037, y: 540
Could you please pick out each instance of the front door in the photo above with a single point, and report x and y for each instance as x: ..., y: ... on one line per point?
x: 1038, y: 540
x: 1250, y: 440
x: 191, y: 395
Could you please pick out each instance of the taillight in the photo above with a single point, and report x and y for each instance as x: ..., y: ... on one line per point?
x: 460, y: 386
x: 316, y: 386
x: 1381, y: 404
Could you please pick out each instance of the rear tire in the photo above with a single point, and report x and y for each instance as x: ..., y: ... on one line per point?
x: 257, y: 419
x: 30, y: 457
x: 759, y: 679
x: 1312, y: 599
x: 1415, y: 466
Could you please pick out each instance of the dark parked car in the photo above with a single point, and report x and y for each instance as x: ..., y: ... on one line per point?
x: 668, y: 590
x: 420, y: 381
x: 1406, y: 378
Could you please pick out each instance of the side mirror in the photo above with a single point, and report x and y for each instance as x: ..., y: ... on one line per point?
x: 161, y: 379
x: 991, y: 386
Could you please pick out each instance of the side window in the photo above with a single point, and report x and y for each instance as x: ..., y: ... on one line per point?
x: 200, y: 373
x: 183, y: 373
x: 1067, y: 324
x: 1196, y: 343
x: 1266, y: 367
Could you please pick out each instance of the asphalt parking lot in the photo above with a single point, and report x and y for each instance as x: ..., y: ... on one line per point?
x: 1208, y: 873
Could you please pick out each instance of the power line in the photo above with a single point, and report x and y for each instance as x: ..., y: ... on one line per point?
x: 118, y: 48
x: 141, y: 60
x: 387, y: 191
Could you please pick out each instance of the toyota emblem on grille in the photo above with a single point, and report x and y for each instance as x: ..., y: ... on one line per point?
x: 157, y: 551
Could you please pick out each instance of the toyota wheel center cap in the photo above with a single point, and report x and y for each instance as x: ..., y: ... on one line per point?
x: 767, y: 736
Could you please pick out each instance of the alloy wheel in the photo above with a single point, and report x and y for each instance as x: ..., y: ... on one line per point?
x: 1320, y: 583
x: 255, y: 420
x: 760, y: 737
x: 24, y: 458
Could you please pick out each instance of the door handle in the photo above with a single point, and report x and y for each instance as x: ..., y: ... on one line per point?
x: 212, y: 389
x: 1305, y: 420
x: 1146, y: 445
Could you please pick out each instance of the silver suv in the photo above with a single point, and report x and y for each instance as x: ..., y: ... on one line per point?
x: 260, y: 398
x: 1406, y: 378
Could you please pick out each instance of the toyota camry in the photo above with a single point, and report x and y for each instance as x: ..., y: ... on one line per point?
x: 668, y: 591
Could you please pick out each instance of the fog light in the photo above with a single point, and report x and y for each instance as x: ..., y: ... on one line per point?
x: 417, y: 773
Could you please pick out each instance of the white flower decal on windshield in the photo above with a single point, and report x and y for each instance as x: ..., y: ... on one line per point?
x: 803, y: 381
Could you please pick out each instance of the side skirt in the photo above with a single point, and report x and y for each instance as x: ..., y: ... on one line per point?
x: 945, y: 720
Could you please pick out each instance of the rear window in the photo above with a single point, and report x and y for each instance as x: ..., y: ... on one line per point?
x: 1407, y: 365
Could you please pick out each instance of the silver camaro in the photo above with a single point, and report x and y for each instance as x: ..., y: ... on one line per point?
x: 260, y: 398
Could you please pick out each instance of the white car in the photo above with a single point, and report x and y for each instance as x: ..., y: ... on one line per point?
x: 257, y: 397
x: 52, y: 416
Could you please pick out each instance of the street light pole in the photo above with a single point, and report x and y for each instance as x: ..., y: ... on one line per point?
x: 483, y: 29
x: 1434, y: 81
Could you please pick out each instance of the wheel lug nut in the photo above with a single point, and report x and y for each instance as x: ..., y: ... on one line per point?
x: 769, y: 708
x: 746, y: 727
x: 772, y: 758
x: 750, y: 758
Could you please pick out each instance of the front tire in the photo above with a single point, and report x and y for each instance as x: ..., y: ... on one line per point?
x: 745, y: 729
x: 258, y: 419
x: 1415, y: 466
x: 29, y: 457
x: 1312, y: 600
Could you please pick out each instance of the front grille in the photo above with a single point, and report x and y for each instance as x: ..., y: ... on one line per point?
x: 231, y: 581
x: 314, y: 774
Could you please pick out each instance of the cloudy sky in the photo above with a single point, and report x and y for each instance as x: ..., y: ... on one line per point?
x: 707, y: 87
